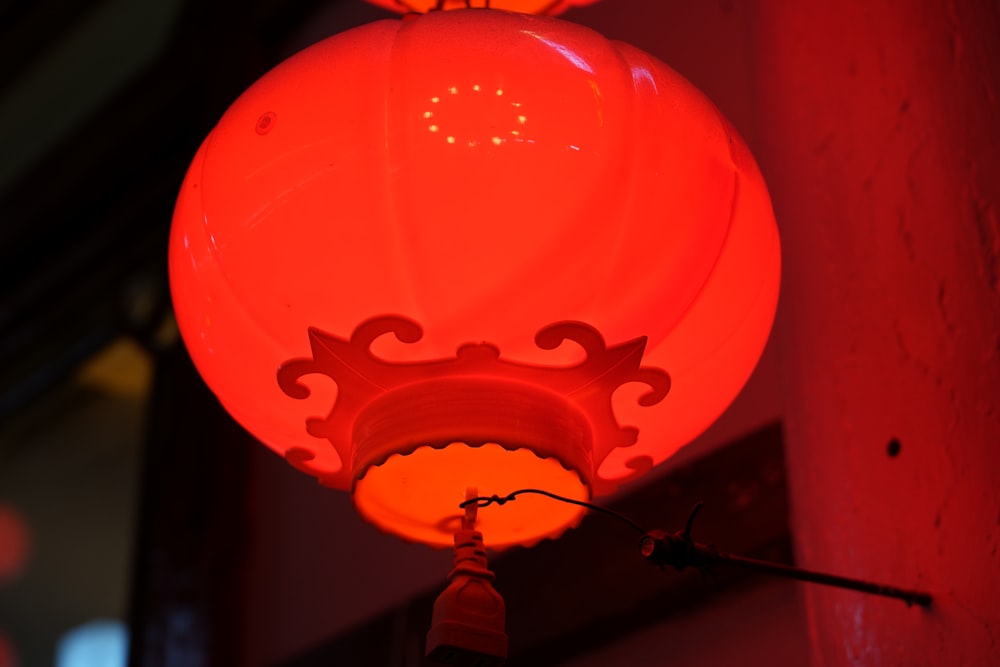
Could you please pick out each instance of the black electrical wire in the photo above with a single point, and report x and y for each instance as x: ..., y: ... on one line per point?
x: 680, y: 551
x: 484, y: 501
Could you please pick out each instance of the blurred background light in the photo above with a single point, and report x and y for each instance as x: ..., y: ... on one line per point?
x: 101, y: 643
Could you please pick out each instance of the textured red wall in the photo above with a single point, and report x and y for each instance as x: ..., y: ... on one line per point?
x: 880, y: 140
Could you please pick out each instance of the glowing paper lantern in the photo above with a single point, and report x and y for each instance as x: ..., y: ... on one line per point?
x: 8, y: 656
x: 392, y: 215
x: 549, y: 7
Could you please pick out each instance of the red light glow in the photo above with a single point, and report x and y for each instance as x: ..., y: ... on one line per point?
x: 485, y: 175
x: 8, y: 657
x: 15, y: 543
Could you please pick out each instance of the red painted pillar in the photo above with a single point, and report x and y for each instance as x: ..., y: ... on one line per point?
x: 880, y: 131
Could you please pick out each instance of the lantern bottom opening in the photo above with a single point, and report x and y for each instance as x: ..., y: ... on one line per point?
x: 417, y: 495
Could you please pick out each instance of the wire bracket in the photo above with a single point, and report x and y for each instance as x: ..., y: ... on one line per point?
x: 680, y: 551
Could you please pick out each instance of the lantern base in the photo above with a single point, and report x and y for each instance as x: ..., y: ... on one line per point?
x: 418, y: 447
x: 417, y: 495
x: 384, y: 409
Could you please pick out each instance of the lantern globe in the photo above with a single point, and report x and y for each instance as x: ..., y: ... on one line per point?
x: 467, y: 249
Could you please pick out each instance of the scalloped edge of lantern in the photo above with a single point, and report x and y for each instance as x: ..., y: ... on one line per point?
x: 576, y: 521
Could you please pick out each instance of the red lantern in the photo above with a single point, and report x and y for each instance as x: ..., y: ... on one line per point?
x: 549, y: 7
x: 466, y: 180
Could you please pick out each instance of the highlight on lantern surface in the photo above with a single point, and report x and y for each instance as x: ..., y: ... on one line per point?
x: 549, y: 7
x: 592, y: 213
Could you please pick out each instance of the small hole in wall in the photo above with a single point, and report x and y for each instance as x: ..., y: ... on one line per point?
x: 893, y: 448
